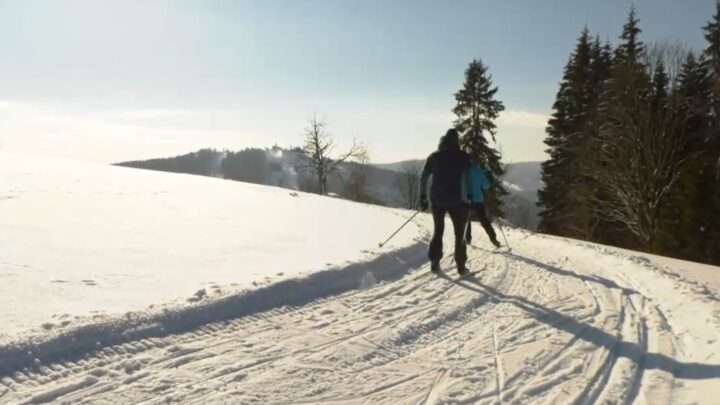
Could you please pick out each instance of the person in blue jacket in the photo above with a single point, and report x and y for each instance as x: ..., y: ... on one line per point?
x: 478, y: 180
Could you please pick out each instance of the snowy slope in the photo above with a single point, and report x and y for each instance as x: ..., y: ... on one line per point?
x: 90, y: 240
x: 553, y: 321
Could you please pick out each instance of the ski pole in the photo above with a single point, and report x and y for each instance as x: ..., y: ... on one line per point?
x: 398, y: 230
x: 504, y: 237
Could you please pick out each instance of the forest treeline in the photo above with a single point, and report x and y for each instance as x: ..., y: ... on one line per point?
x: 634, y: 145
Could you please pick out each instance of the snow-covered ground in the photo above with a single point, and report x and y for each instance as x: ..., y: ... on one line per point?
x: 88, y: 239
x: 128, y: 286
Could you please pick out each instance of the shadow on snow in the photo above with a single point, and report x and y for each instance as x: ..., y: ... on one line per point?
x: 587, y: 332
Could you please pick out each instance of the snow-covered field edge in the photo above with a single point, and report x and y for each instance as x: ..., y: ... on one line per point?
x: 31, y: 351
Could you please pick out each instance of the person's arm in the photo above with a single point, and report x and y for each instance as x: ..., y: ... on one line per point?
x: 427, y: 171
x: 465, y: 187
x: 486, y: 180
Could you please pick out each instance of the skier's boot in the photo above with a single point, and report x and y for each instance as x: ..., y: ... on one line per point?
x: 495, y: 242
x: 435, y: 266
x: 462, y: 270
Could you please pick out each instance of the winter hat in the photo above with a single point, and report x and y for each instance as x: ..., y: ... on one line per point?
x: 451, y: 140
x: 452, y: 135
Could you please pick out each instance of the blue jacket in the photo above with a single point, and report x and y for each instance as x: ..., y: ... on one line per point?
x: 478, y: 182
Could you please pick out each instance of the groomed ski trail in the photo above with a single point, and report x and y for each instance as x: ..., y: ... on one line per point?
x: 522, y: 329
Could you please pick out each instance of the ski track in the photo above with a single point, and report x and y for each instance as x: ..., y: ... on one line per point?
x: 514, y: 332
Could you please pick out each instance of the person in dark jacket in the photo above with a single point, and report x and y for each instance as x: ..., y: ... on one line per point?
x: 448, y: 167
x: 478, y: 185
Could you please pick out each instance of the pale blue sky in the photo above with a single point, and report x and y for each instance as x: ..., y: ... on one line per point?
x: 124, y: 79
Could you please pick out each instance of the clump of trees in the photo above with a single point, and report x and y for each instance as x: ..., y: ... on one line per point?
x: 250, y: 165
x: 634, y: 145
x: 408, y: 182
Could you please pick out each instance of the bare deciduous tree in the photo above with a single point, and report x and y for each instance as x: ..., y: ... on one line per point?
x: 356, y: 186
x: 409, y: 184
x: 319, y: 146
x: 644, y: 152
x: 671, y: 54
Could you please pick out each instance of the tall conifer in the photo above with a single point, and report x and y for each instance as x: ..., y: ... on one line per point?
x: 476, y: 110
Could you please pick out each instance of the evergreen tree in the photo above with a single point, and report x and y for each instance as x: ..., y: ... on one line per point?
x: 688, y: 210
x: 601, y: 62
x: 562, y: 198
x: 631, y: 48
x: 712, y: 36
x: 693, y: 87
x: 476, y: 110
x: 660, y: 83
x: 711, y: 148
x: 588, y: 190
x: 712, y: 62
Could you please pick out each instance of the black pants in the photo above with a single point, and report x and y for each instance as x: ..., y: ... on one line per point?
x: 479, y: 210
x: 459, y: 216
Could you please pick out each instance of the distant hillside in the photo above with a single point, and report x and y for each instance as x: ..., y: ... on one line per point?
x: 526, y: 175
x: 280, y: 167
x: 391, y: 184
x: 415, y: 164
x: 523, y: 181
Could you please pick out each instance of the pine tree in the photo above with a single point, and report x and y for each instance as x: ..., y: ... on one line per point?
x: 601, y: 62
x: 660, y: 83
x: 554, y: 170
x: 562, y: 197
x: 631, y: 48
x: 687, y: 211
x: 693, y: 86
x: 476, y: 110
x: 711, y: 149
x: 712, y: 36
x: 712, y: 62
x: 588, y: 190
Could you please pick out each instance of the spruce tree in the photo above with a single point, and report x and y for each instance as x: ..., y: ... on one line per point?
x: 711, y: 148
x: 554, y: 170
x: 712, y: 36
x: 562, y: 199
x: 588, y: 190
x: 631, y: 48
x: 660, y: 83
x: 476, y: 110
x: 688, y: 210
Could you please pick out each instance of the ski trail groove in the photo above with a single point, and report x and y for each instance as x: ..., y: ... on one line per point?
x: 499, y: 378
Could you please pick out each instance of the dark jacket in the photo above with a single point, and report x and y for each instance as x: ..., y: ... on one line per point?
x: 448, y: 167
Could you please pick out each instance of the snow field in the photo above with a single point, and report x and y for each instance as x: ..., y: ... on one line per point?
x: 554, y: 321
x: 529, y: 326
x: 87, y: 243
